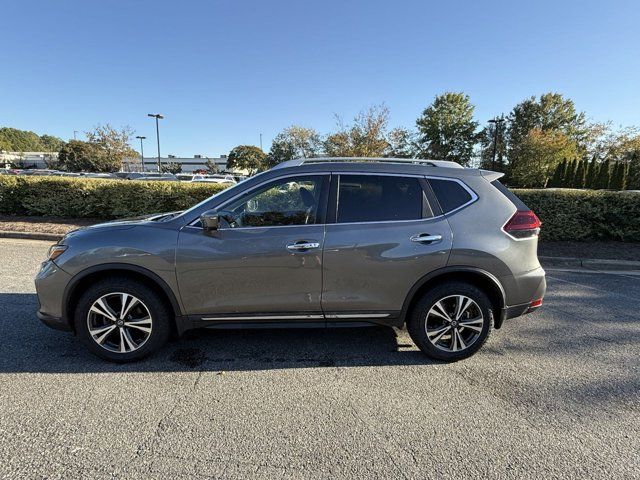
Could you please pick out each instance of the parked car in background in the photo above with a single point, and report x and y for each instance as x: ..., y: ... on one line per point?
x: 111, y: 176
x: 214, y: 178
x: 184, y: 177
x: 447, y: 251
x: 38, y: 172
x: 158, y: 177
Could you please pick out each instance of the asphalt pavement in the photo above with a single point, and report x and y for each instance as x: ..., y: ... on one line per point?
x: 554, y: 394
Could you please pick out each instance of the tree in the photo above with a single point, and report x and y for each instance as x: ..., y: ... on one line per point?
x: 172, y: 167
x: 634, y: 171
x: 579, y: 177
x: 541, y: 153
x: 104, y: 151
x: 618, y: 176
x: 549, y: 113
x: 114, y: 142
x: 487, y: 137
x: 15, y: 140
x: 592, y: 173
x: 211, y: 167
x: 447, y: 130
x: 559, y: 175
x: 79, y: 156
x: 401, y: 143
x: 366, y: 137
x: 604, y: 176
x: 615, y: 145
x: 51, y: 162
x: 247, y: 157
x: 569, y: 174
x: 294, y: 142
x: 49, y: 143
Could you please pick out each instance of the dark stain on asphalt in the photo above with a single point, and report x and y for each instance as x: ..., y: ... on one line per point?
x: 188, y: 357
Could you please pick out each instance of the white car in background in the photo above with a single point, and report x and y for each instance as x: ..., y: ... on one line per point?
x: 214, y: 178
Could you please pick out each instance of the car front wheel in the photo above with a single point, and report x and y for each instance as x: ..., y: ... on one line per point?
x: 451, y: 321
x: 121, y: 320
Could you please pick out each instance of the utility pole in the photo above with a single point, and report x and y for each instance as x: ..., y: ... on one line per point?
x: 157, y: 116
x: 260, y: 141
x: 497, y: 121
x: 141, y: 151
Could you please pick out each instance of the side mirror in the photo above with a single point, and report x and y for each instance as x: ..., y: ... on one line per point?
x: 210, y: 220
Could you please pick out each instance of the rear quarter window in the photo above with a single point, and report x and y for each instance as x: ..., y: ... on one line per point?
x: 450, y: 194
x: 520, y: 205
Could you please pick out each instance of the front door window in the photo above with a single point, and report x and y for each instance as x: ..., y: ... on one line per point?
x: 288, y: 201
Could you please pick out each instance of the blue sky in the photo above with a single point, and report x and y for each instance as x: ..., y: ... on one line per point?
x: 222, y: 72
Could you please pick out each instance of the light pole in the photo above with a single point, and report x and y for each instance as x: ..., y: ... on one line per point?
x: 141, y: 151
x: 74, y: 134
x: 157, y: 116
x: 497, y: 121
x: 260, y: 141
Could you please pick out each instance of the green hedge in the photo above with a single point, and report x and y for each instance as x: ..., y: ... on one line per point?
x: 97, y: 198
x: 566, y: 214
x: 569, y: 214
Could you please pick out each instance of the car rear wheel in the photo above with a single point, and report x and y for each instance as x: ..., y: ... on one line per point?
x: 121, y: 320
x: 451, y: 321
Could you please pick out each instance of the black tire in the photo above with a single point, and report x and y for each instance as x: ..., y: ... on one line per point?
x: 417, y: 321
x: 159, y: 313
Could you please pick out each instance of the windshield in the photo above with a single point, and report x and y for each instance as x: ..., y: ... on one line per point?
x: 198, y: 205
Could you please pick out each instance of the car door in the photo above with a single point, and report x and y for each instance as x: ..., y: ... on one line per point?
x: 265, y: 260
x: 384, y: 233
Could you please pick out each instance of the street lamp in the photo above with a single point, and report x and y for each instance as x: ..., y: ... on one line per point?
x: 497, y: 121
x: 141, y: 151
x: 157, y: 116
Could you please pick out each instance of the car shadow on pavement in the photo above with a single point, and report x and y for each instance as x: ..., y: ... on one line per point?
x: 29, y: 346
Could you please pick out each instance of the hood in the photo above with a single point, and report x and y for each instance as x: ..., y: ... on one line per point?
x: 124, y: 223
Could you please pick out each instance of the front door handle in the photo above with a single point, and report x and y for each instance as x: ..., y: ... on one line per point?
x: 298, y: 246
x: 426, y: 238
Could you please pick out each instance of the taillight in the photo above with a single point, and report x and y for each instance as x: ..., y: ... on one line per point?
x: 523, y: 224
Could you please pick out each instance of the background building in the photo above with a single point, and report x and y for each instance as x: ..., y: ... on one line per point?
x: 188, y: 164
x: 27, y: 159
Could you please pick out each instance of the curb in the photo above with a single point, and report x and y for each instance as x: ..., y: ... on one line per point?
x: 590, y: 263
x: 30, y: 235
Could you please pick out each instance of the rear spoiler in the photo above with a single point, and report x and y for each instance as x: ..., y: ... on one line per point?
x: 491, y: 175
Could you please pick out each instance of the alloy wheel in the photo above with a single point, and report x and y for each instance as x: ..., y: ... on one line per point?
x: 119, y: 322
x: 454, y: 323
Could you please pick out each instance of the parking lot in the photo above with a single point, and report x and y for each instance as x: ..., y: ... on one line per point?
x: 552, y: 395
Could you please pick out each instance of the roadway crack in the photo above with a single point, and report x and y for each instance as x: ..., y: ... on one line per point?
x: 148, y: 446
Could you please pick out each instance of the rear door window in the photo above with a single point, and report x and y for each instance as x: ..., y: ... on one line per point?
x: 450, y: 194
x: 380, y: 198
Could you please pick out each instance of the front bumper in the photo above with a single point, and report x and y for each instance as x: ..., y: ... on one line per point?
x: 56, y: 323
x: 51, y: 282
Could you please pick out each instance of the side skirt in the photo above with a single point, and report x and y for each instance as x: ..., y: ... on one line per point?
x: 288, y: 320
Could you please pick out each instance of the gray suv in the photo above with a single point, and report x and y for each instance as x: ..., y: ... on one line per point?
x: 446, y: 250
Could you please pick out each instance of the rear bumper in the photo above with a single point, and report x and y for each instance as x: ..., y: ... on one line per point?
x: 525, y: 289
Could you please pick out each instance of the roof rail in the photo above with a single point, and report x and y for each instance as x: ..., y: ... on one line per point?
x: 401, y: 161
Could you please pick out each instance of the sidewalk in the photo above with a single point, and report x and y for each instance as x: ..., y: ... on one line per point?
x: 40, y: 228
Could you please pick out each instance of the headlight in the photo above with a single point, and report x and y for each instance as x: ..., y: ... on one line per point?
x: 56, y: 250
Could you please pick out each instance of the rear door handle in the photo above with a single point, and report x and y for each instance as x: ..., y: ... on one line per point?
x: 298, y: 246
x: 426, y: 238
